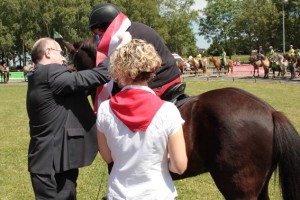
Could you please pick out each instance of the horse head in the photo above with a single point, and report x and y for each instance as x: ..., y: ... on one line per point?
x: 82, y: 53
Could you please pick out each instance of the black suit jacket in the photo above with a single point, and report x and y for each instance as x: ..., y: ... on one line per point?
x: 61, y: 120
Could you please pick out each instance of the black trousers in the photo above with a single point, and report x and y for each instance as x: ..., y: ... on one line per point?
x: 61, y: 186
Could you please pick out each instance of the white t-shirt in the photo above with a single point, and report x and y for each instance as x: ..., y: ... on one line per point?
x: 140, y: 168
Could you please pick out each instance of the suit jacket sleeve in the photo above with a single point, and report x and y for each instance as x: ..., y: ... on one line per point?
x: 63, y: 82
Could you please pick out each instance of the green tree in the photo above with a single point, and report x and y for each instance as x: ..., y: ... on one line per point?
x: 7, y: 30
x: 145, y: 12
x: 292, y: 17
x: 179, y: 18
x: 217, y: 22
x: 23, y: 22
x: 261, y: 29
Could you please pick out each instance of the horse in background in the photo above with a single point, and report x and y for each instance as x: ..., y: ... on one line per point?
x: 194, y: 64
x: 240, y: 145
x: 292, y: 62
x: 296, y: 60
x: 218, y: 65
x: 255, y: 63
x: 278, y: 63
x: 266, y: 65
x: 264, y: 62
x: 4, y: 72
x: 204, y: 65
x: 181, y: 65
x: 298, y: 64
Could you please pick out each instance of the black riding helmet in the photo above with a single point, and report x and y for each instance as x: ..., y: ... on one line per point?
x: 103, y: 14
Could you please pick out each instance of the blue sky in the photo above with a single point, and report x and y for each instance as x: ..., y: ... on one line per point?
x: 201, y: 42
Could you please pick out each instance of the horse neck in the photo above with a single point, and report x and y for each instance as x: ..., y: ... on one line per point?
x: 217, y: 61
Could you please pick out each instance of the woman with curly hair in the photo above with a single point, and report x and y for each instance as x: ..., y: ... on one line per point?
x: 137, y: 131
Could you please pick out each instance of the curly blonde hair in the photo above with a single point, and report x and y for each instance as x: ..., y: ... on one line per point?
x: 134, y: 62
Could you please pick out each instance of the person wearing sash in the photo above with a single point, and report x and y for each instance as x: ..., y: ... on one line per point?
x: 114, y: 30
x: 144, y: 144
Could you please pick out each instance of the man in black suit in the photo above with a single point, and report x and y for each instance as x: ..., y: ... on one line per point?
x: 61, y: 121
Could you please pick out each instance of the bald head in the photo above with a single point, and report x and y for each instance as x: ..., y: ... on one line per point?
x: 40, y: 54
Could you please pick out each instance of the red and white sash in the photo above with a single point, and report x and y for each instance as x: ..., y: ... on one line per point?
x: 110, y: 41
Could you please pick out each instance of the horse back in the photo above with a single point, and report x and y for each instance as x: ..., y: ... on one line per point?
x: 229, y: 63
x: 224, y: 124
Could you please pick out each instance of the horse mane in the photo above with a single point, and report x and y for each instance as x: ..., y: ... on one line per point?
x: 83, y: 53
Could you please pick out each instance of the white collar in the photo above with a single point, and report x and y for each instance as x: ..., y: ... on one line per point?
x: 141, y: 87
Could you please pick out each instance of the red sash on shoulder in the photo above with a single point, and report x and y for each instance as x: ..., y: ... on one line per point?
x: 135, y: 108
x: 108, y: 43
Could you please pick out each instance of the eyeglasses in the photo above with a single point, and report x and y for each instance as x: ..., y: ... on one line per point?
x: 61, y: 52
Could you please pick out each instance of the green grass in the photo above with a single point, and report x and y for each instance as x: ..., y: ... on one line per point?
x: 14, y: 138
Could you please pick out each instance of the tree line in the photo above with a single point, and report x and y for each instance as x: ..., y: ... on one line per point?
x: 239, y: 26
x: 23, y: 22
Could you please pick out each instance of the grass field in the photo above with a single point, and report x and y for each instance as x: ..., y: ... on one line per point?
x: 14, y: 138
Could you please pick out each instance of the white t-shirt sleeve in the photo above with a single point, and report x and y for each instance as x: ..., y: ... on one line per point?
x: 172, y: 118
x: 102, y: 117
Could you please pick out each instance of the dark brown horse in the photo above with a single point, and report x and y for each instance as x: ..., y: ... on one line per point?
x: 83, y: 56
x: 217, y: 63
x: 239, y: 139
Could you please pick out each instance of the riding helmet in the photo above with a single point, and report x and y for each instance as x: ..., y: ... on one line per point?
x: 101, y: 14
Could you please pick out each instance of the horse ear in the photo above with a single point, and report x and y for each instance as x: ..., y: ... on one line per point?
x: 71, y: 49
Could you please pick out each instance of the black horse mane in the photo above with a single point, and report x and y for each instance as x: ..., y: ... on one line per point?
x: 82, y: 54
x: 85, y: 56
